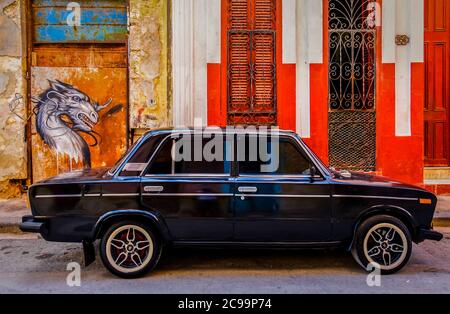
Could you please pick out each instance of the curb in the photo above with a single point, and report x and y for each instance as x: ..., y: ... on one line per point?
x: 11, y: 228
x: 441, y: 222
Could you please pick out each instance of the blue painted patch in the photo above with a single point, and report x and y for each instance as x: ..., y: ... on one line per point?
x: 95, y: 16
x: 92, y: 33
x: 98, y: 23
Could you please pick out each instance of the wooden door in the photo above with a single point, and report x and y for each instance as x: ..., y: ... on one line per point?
x: 437, y: 80
x: 251, y: 45
x: 78, y: 85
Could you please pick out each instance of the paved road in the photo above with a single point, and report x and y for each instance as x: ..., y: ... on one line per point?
x: 30, y: 265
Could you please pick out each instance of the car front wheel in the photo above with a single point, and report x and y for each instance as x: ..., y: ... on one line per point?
x: 384, y: 242
x: 129, y: 249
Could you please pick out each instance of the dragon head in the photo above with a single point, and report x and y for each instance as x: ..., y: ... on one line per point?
x: 75, y: 105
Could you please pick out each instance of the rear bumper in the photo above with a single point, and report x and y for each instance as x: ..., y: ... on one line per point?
x: 29, y: 224
x: 425, y: 234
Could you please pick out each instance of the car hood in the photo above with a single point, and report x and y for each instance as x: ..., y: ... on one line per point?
x: 360, y: 178
x: 95, y: 174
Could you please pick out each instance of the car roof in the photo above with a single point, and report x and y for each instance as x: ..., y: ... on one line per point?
x: 226, y: 130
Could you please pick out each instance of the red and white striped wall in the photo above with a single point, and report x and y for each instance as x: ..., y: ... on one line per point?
x: 199, y: 75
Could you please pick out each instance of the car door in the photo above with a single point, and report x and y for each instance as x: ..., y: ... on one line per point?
x: 282, y: 204
x: 194, y: 195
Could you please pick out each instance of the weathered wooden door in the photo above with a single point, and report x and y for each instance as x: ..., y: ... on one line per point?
x: 78, y: 85
x: 252, y: 62
x: 437, y: 80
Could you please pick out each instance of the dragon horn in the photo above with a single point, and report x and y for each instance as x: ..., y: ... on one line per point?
x: 98, y: 107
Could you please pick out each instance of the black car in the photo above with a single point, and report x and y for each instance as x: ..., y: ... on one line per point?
x: 246, y: 188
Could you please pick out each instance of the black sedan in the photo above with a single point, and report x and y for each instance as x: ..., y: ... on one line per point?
x: 226, y: 188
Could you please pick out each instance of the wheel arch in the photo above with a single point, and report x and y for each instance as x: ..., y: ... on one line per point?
x: 390, y: 210
x: 151, y: 218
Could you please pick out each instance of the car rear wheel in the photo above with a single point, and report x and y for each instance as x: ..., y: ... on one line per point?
x: 384, y: 241
x: 129, y: 249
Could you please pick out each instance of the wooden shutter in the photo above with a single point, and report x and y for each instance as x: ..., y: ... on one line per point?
x: 252, y: 62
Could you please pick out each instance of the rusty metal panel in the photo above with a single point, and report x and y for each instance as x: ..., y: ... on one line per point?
x: 80, y: 118
x: 100, y: 21
x: 80, y: 56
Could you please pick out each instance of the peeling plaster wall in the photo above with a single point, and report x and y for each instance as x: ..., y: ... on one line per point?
x: 13, y: 149
x: 149, y: 104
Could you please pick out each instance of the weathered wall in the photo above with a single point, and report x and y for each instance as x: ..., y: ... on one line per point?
x: 149, y: 104
x: 13, y: 154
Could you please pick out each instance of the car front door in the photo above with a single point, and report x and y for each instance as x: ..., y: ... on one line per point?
x: 194, y: 194
x: 283, y: 202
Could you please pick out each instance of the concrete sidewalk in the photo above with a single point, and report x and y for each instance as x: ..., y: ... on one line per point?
x: 11, y: 212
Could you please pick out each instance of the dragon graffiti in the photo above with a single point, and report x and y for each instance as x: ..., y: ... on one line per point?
x: 62, y: 113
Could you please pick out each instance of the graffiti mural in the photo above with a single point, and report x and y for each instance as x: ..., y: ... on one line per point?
x: 62, y: 112
x: 79, y: 118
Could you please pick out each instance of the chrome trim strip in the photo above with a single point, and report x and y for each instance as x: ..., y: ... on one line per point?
x: 58, y: 195
x: 278, y: 243
x: 377, y: 197
x: 189, y: 194
x: 193, y: 175
x: 120, y: 194
x: 93, y: 195
x: 283, y: 195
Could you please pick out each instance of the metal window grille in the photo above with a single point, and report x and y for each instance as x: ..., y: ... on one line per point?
x: 352, y: 116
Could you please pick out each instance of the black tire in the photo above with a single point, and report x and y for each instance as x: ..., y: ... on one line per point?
x: 124, y: 251
x: 384, y: 240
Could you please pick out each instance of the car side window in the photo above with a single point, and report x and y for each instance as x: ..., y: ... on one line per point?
x: 283, y: 158
x: 199, y: 156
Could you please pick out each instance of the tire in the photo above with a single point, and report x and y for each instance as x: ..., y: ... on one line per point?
x: 130, y: 249
x: 384, y: 240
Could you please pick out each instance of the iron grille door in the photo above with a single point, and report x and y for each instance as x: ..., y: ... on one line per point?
x: 251, y: 62
x: 352, y: 115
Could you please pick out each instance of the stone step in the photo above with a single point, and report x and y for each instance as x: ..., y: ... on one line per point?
x: 437, y: 173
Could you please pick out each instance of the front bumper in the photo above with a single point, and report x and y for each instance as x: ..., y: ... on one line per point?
x: 426, y: 234
x: 29, y: 224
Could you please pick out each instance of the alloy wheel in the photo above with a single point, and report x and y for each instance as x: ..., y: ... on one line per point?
x: 386, y: 245
x: 129, y: 248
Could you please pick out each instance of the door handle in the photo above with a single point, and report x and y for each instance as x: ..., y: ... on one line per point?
x: 248, y: 189
x: 153, y: 189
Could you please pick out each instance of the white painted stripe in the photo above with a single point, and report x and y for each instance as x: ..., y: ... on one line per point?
x: 403, y: 72
x: 289, y: 26
x: 182, y: 62
x: 214, y: 22
x: 314, y: 11
x: 189, y: 61
x: 388, y: 47
x: 417, y: 20
x: 303, y: 91
x: 199, y: 36
x: 403, y: 94
x: 309, y: 38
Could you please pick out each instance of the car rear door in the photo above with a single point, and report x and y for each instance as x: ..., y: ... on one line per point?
x: 285, y: 204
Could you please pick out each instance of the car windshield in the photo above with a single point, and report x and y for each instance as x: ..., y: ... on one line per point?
x: 124, y: 156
